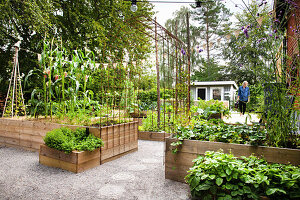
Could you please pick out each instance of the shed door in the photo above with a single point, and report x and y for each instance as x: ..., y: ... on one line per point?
x: 201, y: 94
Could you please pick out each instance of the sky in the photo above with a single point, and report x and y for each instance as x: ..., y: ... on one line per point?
x: 165, y: 10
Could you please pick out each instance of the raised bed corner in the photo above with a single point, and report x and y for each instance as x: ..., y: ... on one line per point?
x: 119, y: 140
x: 76, y: 161
x: 177, y: 165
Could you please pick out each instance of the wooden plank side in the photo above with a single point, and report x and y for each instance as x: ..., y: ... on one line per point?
x: 104, y: 137
x: 116, y: 150
x: 26, y: 130
x: 95, y: 131
x: 26, y: 144
x: 134, y: 145
x: 27, y: 124
x: 12, y: 128
x: 49, y: 152
x: 10, y: 134
x: 51, y: 162
x: 88, y: 155
x: 271, y: 154
x: 180, y: 158
x: 18, y: 147
x: 2, y: 139
x: 117, y: 156
x: 106, y: 153
x: 12, y: 141
x: 176, y: 173
x: 70, y: 158
x: 152, y: 136
x: 35, y: 145
x: 68, y: 166
x: 13, y: 123
x: 88, y: 165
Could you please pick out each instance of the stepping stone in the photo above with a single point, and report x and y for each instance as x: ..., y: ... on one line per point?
x: 111, y: 191
x: 123, y: 176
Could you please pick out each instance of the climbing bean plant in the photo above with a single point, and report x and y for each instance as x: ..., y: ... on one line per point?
x: 263, y: 30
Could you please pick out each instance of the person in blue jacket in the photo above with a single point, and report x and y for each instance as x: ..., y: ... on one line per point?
x: 243, y: 97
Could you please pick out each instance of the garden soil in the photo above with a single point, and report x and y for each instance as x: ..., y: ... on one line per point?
x: 139, y: 175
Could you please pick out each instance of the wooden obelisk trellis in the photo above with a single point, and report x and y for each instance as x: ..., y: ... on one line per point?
x: 14, y: 102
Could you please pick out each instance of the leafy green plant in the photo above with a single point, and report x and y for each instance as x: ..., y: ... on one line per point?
x: 148, y: 98
x: 240, y: 134
x: 222, y: 176
x: 150, y: 122
x: 205, y: 109
x: 67, y: 140
x: 169, y: 121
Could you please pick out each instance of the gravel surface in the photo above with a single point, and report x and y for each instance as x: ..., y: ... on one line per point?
x: 139, y: 175
x: 248, y: 118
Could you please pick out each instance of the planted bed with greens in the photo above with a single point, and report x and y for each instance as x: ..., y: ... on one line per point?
x: 222, y: 176
x: 67, y: 140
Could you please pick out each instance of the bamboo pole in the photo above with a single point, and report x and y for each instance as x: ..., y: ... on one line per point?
x: 158, y: 78
x: 189, y: 64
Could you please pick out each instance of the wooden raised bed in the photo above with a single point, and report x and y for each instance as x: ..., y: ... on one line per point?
x: 75, y: 161
x: 177, y: 165
x: 118, y: 139
x: 23, y: 133
x: 153, y: 136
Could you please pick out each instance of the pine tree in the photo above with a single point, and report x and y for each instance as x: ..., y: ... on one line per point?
x: 213, y: 24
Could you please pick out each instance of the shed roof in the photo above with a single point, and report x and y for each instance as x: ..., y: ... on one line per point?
x: 209, y: 83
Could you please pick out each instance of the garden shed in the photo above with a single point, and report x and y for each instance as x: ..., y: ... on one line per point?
x: 217, y: 90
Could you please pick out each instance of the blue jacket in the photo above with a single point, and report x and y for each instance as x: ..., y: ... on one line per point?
x: 244, y: 93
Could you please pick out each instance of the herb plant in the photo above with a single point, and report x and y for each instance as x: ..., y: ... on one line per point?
x: 67, y: 140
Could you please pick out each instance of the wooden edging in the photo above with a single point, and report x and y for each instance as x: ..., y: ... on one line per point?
x: 75, y: 161
x: 177, y: 165
x: 153, y: 136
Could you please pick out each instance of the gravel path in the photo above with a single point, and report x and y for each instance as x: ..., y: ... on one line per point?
x: 247, y: 118
x: 139, y: 175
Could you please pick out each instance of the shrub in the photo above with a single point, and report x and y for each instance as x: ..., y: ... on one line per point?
x: 148, y: 98
x: 222, y: 176
x: 67, y: 140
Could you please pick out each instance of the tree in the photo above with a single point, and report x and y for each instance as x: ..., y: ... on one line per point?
x: 248, y: 50
x: 178, y: 26
x: 26, y: 21
x: 208, y: 72
x: 213, y: 25
x: 106, y: 27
